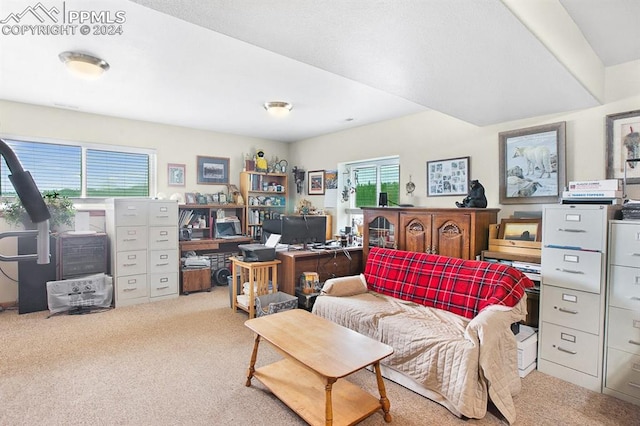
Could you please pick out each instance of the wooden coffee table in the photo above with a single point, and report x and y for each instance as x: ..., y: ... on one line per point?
x: 318, y: 352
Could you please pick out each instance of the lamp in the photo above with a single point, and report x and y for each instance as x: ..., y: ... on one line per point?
x: 83, y: 65
x: 278, y: 108
x: 383, y: 200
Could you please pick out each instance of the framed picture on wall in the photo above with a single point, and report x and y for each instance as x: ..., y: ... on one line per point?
x: 623, y: 144
x: 176, y: 174
x: 213, y: 170
x: 448, y: 177
x: 532, y: 164
x: 316, y: 182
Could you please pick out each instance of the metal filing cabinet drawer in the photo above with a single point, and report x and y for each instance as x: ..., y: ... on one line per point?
x: 624, y: 330
x: 624, y: 287
x: 576, y: 269
x: 625, y: 244
x: 570, y: 348
x: 577, y: 227
x: 571, y: 308
x: 623, y: 373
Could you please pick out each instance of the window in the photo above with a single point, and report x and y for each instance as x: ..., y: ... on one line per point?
x: 372, y: 178
x: 82, y: 170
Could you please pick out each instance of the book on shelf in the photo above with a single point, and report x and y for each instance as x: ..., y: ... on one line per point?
x: 604, y: 193
x: 596, y: 185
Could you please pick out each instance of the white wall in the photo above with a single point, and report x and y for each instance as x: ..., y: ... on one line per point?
x: 431, y: 136
x: 416, y: 139
x: 173, y: 145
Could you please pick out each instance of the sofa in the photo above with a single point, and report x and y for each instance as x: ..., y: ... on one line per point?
x: 448, y: 320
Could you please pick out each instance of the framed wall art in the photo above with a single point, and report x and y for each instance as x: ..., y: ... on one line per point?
x: 532, y: 164
x: 448, y: 177
x: 316, y: 182
x: 213, y: 170
x: 524, y: 229
x: 190, y: 197
x: 176, y: 174
x: 623, y: 143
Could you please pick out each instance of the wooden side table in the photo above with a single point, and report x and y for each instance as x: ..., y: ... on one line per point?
x: 259, y: 275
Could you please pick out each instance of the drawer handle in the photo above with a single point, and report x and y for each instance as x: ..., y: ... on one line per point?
x: 162, y: 264
x: 571, y: 230
x: 162, y: 288
x: 129, y: 264
x: 162, y: 241
x: 635, y: 254
x: 560, y: 348
x: 130, y: 239
x: 633, y: 342
x: 634, y: 298
x: 130, y: 289
x: 569, y: 271
x: 567, y: 311
x: 634, y: 385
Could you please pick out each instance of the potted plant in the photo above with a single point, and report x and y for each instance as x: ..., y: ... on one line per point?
x: 60, y: 207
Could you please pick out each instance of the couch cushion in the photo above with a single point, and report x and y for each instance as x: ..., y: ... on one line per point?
x: 463, y: 287
x: 345, y: 286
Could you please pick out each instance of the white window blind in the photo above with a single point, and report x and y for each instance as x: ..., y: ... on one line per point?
x: 60, y: 168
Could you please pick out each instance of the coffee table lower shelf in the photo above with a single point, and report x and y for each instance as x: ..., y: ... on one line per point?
x: 302, y: 391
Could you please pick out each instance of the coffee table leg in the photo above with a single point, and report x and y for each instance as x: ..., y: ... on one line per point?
x: 252, y: 364
x: 328, y: 414
x: 383, y: 393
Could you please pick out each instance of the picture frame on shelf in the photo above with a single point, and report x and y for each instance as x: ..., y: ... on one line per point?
x: 190, y: 198
x: 176, y: 174
x: 315, y: 181
x: 623, y: 143
x: 213, y: 170
x: 448, y: 177
x: 520, y: 229
x: 532, y: 164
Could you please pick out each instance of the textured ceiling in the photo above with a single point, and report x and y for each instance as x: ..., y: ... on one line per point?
x: 342, y: 63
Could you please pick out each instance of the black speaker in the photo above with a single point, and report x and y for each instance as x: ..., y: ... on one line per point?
x: 382, y: 200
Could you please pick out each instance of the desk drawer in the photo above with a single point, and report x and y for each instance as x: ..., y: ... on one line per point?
x: 571, y: 348
x: 623, y: 372
x: 576, y: 269
x: 624, y: 330
x: 624, y: 287
x: 571, y: 308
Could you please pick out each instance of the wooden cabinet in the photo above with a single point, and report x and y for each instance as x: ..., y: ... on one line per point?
x: 266, y: 197
x: 461, y: 233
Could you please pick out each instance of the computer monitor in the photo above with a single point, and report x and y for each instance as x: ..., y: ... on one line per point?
x: 304, y: 229
x: 227, y: 228
x: 270, y: 226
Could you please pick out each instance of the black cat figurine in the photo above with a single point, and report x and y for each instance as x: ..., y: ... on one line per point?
x: 476, y: 197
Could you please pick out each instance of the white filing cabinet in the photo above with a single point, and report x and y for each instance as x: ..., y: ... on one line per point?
x: 144, y: 249
x: 572, y: 294
x: 622, y: 351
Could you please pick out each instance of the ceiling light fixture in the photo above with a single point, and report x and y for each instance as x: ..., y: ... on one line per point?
x: 85, y: 66
x: 278, y: 108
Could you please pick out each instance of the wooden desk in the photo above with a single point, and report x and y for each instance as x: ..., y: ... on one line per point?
x: 213, y: 244
x: 327, y: 263
x: 258, y: 275
x: 317, y: 353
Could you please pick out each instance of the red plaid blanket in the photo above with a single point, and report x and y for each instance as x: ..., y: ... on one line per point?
x: 464, y: 287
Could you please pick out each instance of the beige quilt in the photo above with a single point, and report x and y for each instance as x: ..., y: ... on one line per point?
x: 463, y: 361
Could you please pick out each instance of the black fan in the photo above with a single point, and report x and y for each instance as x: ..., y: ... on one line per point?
x: 220, y: 276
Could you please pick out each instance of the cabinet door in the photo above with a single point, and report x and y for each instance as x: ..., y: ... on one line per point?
x: 415, y: 232
x: 380, y: 230
x: 451, y: 235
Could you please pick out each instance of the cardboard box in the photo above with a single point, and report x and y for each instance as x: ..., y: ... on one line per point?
x: 527, y: 347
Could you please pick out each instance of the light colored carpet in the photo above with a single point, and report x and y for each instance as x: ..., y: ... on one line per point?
x: 184, y: 362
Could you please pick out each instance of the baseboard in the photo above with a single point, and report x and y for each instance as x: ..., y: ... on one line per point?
x: 8, y: 305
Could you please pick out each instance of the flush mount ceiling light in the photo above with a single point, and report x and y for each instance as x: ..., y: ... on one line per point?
x: 83, y: 65
x: 278, y: 108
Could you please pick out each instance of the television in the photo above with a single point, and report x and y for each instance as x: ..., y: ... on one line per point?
x: 303, y: 229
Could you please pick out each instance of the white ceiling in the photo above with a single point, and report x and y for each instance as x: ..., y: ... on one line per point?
x: 342, y: 63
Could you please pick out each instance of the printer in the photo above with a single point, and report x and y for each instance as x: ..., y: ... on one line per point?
x: 257, y: 252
